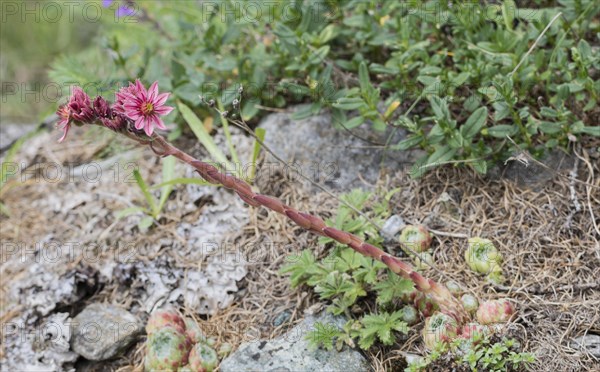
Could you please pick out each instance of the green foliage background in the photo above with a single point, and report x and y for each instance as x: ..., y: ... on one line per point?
x: 443, y: 72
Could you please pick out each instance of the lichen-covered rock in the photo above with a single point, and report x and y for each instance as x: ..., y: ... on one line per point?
x: 351, y: 165
x: 588, y: 343
x: 166, y: 350
x: 103, y: 331
x: 291, y: 352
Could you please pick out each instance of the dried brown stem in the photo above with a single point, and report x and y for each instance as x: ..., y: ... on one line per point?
x: 437, y: 292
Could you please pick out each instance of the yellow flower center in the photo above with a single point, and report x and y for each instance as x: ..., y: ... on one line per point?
x: 147, y: 108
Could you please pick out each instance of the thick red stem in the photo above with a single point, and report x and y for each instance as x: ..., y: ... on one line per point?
x: 440, y: 294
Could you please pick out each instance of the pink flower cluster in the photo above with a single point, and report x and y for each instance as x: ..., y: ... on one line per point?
x: 143, y: 108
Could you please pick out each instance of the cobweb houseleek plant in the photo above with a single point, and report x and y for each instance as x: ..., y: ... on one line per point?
x: 136, y: 114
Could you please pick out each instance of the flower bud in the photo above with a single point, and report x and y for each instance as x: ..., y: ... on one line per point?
x: 81, y: 107
x: 439, y: 328
x: 416, y: 238
x: 495, y: 311
x: 482, y: 256
x: 101, y: 108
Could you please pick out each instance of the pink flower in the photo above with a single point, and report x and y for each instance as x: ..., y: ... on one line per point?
x: 143, y: 106
x: 65, y: 121
x: 79, y: 108
x: 124, y: 94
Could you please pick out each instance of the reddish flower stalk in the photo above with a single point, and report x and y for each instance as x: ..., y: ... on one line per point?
x: 119, y: 120
x: 447, y: 303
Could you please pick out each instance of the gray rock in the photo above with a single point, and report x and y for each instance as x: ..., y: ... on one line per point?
x: 291, y: 352
x: 589, y: 343
x: 102, y: 331
x: 9, y: 133
x: 527, y: 173
x: 331, y: 155
x: 392, y: 226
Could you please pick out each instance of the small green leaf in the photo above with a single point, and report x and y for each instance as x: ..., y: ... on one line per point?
x: 302, y: 113
x: 501, y: 131
x: 128, y: 212
x: 363, y: 77
x: 202, y: 135
x: 475, y: 122
x: 354, y: 122
x: 509, y: 8
x: 145, y: 223
x: 593, y: 131
x: 168, y: 172
x: 260, y: 133
x: 328, y: 33
x: 408, y: 143
x: 349, y: 103
x: 441, y: 155
x: 319, y: 55
x: 548, y: 112
x: 145, y: 191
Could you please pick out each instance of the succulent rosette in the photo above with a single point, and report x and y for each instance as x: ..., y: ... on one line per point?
x: 167, y: 349
x: 473, y: 331
x: 416, y: 238
x: 409, y: 315
x: 439, y: 328
x: 203, y: 358
x: 453, y: 287
x: 424, y: 305
x: 194, y: 332
x: 470, y: 303
x: 483, y: 258
x: 423, y: 260
x: 495, y: 311
x: 165, y: 318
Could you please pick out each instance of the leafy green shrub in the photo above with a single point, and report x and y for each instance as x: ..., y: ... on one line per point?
x: 345, y: 276
x: 459, y: 78
x: 482, y: 353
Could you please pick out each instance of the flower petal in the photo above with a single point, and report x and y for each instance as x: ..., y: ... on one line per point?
x: 66, y: 130
x: 159, y: 123
x: 161, y: 99
x: 163, y: 110
x: 153, y: 92
x: 142, y: 93
x: 124, y: 11
x: 140, y: 122
x: 148, y: 128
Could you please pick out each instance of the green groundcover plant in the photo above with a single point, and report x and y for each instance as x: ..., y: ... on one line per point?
x: 463, y: 79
